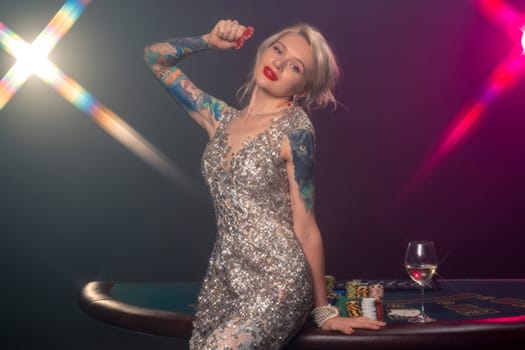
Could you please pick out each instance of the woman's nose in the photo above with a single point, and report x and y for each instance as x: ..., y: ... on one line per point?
x: 278, y: 64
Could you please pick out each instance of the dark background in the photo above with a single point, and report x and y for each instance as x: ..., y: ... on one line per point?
x: 77, y: 206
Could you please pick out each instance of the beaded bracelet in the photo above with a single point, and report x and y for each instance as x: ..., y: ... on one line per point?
x: 323, y: 313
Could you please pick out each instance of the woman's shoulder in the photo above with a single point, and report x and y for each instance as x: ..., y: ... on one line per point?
x: 299, y: 119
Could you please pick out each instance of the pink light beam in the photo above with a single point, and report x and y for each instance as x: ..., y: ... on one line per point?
x: 503, y: 77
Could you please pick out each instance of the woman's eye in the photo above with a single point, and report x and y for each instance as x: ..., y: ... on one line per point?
x: 295, y: 68
x: 277, y: 49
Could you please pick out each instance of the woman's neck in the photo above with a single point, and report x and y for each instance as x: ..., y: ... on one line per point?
x: 262, y: 103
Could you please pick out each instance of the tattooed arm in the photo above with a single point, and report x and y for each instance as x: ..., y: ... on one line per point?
x: 298, y: 153
x: 162, y: 59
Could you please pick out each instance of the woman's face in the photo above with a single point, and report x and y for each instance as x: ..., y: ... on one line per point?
x: 285, y: 67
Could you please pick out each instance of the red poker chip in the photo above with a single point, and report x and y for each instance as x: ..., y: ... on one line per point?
x: 248, y: 33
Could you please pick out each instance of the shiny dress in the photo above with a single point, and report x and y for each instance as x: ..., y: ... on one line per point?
x: 257, y: 291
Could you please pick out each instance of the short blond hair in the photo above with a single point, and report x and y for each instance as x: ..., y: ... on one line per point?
x: 325, y: 73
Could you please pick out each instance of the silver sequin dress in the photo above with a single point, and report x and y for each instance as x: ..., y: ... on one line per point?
x: 257, y: 291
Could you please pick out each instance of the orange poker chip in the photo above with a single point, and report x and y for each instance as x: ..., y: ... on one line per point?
x: 353, y: 308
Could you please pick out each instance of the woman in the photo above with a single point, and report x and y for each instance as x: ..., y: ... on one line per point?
x: 267, y: 266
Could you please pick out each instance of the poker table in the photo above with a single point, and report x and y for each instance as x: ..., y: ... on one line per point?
x: 470, y: 313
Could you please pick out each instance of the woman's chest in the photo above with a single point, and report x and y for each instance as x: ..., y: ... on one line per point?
x: 255, y: 165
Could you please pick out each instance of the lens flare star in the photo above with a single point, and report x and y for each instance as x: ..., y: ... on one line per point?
x: 504, y: 76
x: 32, y: 59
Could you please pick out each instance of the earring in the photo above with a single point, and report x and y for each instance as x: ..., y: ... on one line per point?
x: 291, y: 101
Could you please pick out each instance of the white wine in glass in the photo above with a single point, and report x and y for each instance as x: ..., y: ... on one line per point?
x: 421, y: 264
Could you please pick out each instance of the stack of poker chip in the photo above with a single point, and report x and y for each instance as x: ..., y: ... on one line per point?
x: 362, y: 290
x: 368, y: 308
x: 376, y: 291
x: 351, y: 289
x: 353, y: 307
x: 362, y: 299
x: 329, y: 283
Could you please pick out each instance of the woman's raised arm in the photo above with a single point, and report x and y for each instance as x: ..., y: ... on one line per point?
x: 162, y: 59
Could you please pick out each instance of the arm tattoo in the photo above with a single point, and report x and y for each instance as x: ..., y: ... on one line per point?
x: 302, y: 144
x: 191, y: 97
x: 170, y: 52
x: 162, y: 58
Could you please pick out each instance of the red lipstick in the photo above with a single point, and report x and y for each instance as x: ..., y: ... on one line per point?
x: 269, y: 73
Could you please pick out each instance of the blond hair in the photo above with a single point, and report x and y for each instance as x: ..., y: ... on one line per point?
x: 318, y: 91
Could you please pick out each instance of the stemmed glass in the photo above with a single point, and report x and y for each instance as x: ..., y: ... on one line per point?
x: 421, y: 264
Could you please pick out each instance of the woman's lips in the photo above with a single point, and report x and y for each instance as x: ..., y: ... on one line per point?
x: 269, y: 73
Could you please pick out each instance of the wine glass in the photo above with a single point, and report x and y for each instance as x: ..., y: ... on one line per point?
x: 421, y: 264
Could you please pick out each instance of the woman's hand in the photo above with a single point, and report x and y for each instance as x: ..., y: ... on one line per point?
x: 347, y: 325
x: 225, y: 34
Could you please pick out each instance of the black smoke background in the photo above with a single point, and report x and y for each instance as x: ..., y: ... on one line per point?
x: 76, y: 206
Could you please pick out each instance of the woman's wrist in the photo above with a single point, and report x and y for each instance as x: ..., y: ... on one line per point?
x: 206, y: 38
x: 321, y: 314
x: 188, y: 45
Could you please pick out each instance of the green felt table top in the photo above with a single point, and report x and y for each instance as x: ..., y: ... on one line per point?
x: 454, y: 300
